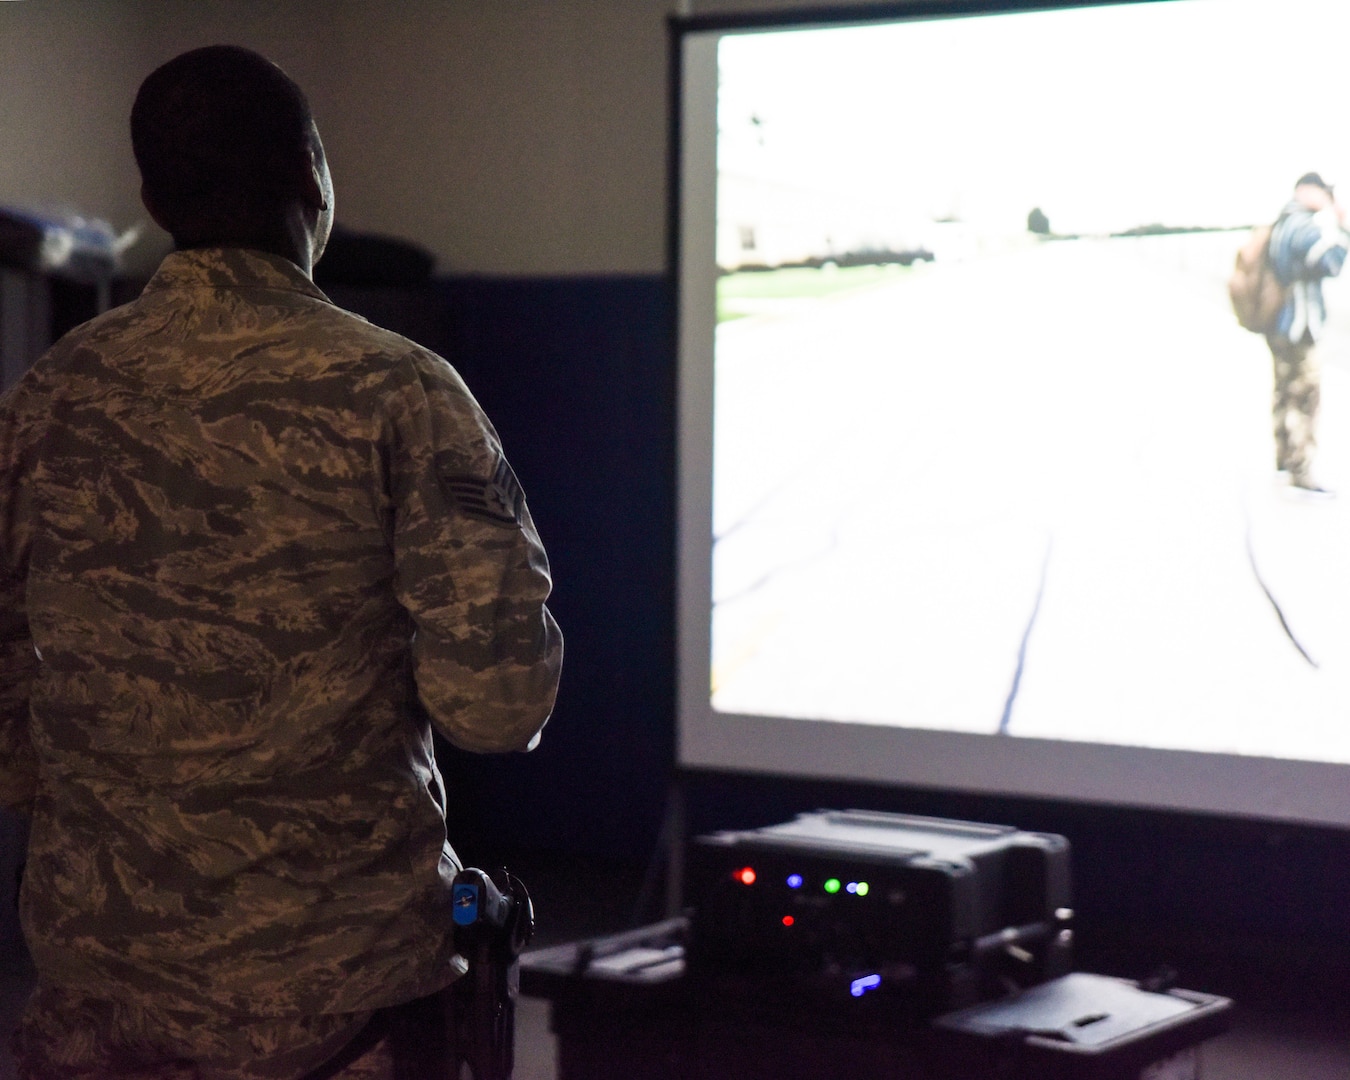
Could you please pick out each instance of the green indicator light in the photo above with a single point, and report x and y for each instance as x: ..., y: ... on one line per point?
x: 833, y: 885
x: 861, y: 890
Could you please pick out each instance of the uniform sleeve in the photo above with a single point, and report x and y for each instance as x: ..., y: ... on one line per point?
x: 18, y: 662
x: 471, y: 570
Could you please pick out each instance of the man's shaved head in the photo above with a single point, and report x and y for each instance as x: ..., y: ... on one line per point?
x: 219, y: 135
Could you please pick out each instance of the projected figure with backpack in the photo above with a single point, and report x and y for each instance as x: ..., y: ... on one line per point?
x: 1276, y: 289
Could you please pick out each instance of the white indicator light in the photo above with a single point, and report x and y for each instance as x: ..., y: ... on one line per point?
x: 858, y: 987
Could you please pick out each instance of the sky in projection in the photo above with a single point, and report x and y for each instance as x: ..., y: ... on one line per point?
x: 1190, y: 112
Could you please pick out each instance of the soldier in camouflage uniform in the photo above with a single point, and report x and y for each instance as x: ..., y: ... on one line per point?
x: 1307, y: 245
x: 250, y: 543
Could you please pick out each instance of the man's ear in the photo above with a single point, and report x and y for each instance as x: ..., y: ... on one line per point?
x: 311, y: 183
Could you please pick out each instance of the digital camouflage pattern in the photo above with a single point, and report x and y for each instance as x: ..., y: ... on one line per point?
x: 86, y: 1037
x: 1297, y: 401
x: 241, y: 531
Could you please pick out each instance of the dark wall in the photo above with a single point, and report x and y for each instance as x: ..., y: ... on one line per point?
x: 579, y: 376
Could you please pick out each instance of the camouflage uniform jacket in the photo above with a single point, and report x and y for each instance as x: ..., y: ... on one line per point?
x: 240, y: 530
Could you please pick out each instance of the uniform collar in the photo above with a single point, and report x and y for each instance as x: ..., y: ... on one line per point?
x: 231, y: 268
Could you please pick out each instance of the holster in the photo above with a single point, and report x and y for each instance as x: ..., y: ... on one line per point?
x: 472, y: 1021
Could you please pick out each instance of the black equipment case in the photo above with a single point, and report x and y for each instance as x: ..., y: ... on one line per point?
x: 860, y: 912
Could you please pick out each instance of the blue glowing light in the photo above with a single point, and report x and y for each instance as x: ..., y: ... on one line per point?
x: 858, y: 987
x: 794, y: 881
x: 464, y: 904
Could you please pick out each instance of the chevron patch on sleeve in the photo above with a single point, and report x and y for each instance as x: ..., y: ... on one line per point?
x: 498, y: 500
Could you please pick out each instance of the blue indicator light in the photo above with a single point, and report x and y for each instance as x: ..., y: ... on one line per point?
x: 852, y: 887
x: 464, y: 904
x: 858, y: 987
x: 794, y: 881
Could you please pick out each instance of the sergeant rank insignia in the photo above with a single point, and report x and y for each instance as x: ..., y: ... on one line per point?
x: 498, y: 500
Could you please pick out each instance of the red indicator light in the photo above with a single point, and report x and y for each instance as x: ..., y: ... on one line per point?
x: 746, y: 875
x: 788, y: 920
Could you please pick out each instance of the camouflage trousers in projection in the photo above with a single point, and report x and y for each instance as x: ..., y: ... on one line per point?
x: 69, y: 1036
x: 1298, y: 396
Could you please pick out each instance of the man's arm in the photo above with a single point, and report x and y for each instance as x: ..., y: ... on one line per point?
x: 470, y: 570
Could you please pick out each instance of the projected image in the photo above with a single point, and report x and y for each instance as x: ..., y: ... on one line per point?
x: 991, y: 452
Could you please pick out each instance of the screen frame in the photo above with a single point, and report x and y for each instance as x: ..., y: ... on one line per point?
x: 1224, y: 785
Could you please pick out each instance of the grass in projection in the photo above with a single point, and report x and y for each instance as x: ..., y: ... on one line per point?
x: 761, y: 293
x: 991, y: 453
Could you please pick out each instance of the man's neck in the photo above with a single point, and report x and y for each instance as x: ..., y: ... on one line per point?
x: 290, y: 240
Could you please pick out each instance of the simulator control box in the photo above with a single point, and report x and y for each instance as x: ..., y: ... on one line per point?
x: 888, y: 913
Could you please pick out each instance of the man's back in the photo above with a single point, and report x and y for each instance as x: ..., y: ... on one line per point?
x: 234, y: 506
